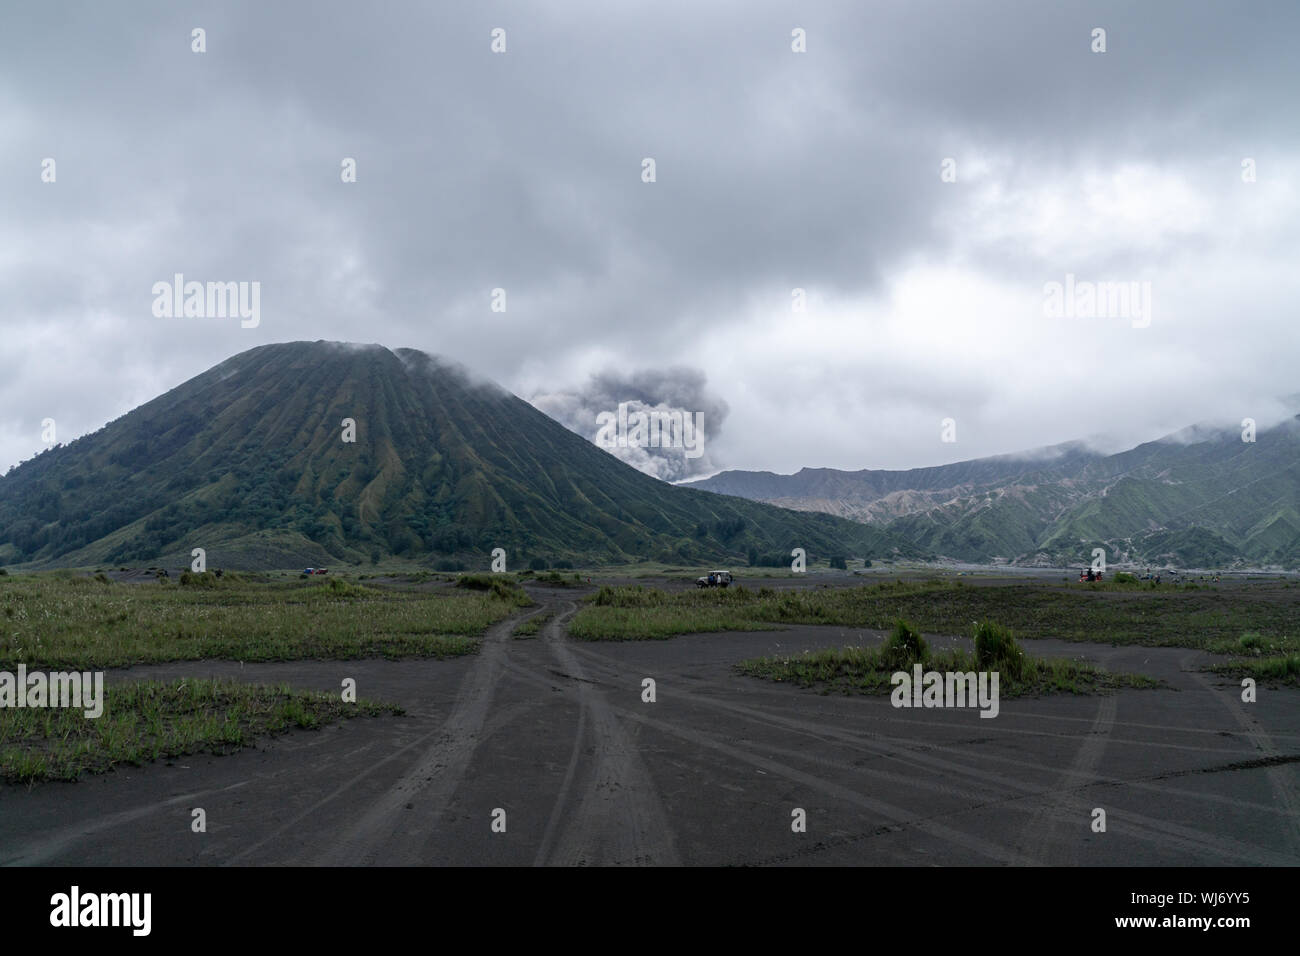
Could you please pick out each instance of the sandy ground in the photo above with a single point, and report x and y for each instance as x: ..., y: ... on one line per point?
x: 555, y: 733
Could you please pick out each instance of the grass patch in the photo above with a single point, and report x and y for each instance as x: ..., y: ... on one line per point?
x: 869, y: 670
x: 553, y: 578
x: 1254, y: 644
x: 1277, y: 668
x: 530, y: 627
x: 148, y: 721
x: 53, y: 621
x: 210, y: 579
x: 1205, y: 618
x: 498, y: 585
x: 636, y: 612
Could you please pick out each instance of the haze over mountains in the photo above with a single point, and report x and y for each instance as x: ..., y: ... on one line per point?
x: 248, y: 461
x: 1201, y: 498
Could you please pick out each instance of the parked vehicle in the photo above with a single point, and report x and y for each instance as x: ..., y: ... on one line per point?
x: 714, y: 579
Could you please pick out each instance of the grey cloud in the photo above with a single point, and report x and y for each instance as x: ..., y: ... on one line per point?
x: 521, y: 171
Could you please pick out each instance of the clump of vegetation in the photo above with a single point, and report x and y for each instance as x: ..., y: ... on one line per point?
x: 70, y: 580
x: 533, y: 625
x: 1251, y: 642
x: 339, y: 588
x: 555, y: 579
x: 149, y: 720
x: 499, y: 586
x: 904, y: 647
x: 1254, y: 644
x: 1124, y: 577
x: 1284, y: 668
x: 635, y: 595
x: 996, y: 649
x: 870, y: 670
x: 199, y: 579
x: 509, y: 591
x: 476, y: 582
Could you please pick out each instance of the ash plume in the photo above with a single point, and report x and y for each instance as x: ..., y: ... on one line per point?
x: 678, y: 389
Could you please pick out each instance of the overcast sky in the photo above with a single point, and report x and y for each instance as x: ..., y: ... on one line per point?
x: 774, y: 170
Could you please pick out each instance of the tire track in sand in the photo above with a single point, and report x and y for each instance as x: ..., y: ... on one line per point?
x: 387, y: 832
x: 620, y: 818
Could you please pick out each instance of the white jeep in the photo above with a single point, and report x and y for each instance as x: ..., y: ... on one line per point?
x: 714, y: 579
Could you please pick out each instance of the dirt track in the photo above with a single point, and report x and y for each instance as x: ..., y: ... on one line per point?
x: 556, y: 734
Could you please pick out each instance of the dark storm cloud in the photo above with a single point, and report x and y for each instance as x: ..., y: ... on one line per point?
x: 774, y: 171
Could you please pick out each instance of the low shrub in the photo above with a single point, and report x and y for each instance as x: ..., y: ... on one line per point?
x: 996, y: 649
x: 905, y: 647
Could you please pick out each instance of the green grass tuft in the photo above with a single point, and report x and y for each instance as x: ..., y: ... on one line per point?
x: 148, y: 720
x: 530, y: 627
x: 869, y: 670
x: 55, y: 621
x: 1280, y: 668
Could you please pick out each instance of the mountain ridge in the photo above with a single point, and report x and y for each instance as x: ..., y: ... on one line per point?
x: 249, y: 461
x: 1163, y: 501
